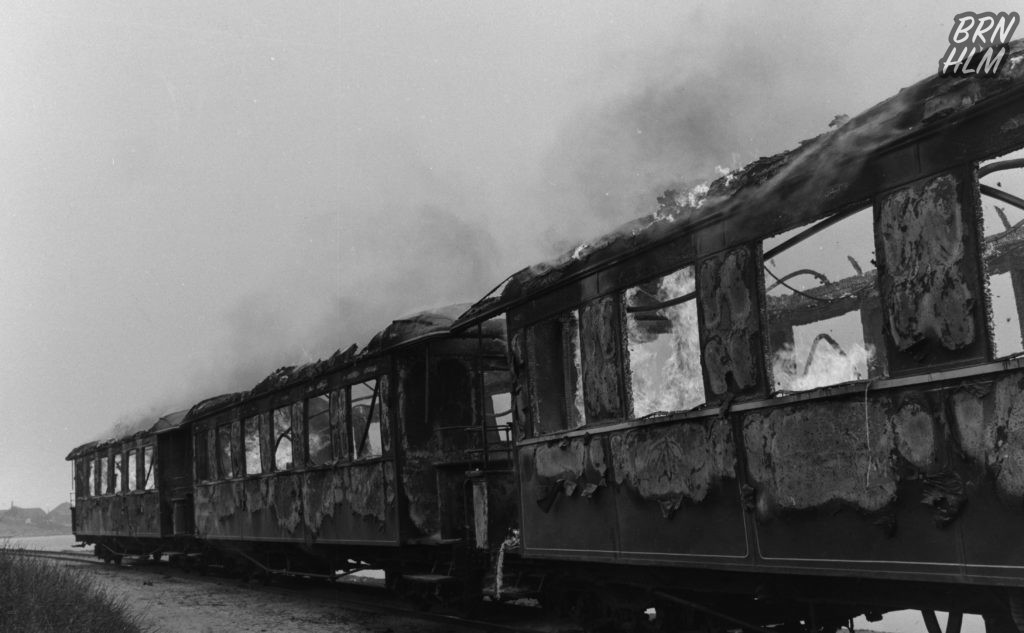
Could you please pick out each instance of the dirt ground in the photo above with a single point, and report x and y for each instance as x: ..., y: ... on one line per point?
x: 174, y: 602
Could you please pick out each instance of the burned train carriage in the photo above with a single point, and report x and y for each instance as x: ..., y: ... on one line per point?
x: 125, y: 489
x: 803, y: 382
x: 359, y: 458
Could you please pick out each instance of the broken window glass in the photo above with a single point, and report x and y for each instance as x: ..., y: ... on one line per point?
x: 1001, y: 182
x: 365, y: 417
x: 663, y: 343
x: 253, y: 459
x: 224, y: 460
x: 282, y: 438
x: 555, y: 373
x: 823, y: 310
x: 147, y: 468
x: 103, y: 485
x: 117, y: 474
x: 319, y: 429
x: 131, y: 475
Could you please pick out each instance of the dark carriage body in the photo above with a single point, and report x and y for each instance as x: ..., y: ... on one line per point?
x: 362, y: 456
x: 728, y: 473
x: 125, y: 488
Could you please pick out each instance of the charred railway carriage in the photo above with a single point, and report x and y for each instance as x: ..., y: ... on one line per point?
x: 797, y: 394
x: 358, y: 458
x: 125, y: 489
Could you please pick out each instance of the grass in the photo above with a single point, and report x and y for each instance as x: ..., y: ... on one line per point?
x: 39, y: 596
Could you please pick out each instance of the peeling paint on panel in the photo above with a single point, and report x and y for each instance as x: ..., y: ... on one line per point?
x: 925, y: 292
x: 806, y: 456
x: 561, y: 464
x: 574, y: 464
x: 730, y: 321
x: 317, y: 498
x: 991, y: 429
x: 420, y: 488
x: 915, y: 435
x: 127, y: 515
x: 204, y: 499
x: 256, y: 494
x: 365, y: 486
x: 286, y: 501
x: 673, y: 464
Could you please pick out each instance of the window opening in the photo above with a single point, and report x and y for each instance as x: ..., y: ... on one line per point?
x: 663, y: 343
x: 283, y: 438
x: 555, y: 373
x: 253, y: 455
x: 103, y: 485
x: 1001, y: 183
x: 318, y: 418
x: 498, y: 405
x: 211, y: 454
x: 339, y: 428
x: 224, y: 460
x: 131, y: 475
x: 822, y: 304
x: 90, y: 477
x: 117, y: 481
x: 365, y: 417
x: 147, y: 467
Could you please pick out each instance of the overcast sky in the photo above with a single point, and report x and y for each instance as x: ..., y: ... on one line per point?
x: 193, y: 193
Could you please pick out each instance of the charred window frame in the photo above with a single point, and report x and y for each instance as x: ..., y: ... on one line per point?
x: 364, y: 414
x: 663, y: 350
x: 148, y: 477
x: 253, y: 445
x: 1001, y: 189
x: 283, y: 433
x: 823, y: 310
x: 132, y: 471
x: 318, y: 430
x: 555, y: 374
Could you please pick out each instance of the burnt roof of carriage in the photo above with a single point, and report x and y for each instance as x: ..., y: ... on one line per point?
x: 776, y: 192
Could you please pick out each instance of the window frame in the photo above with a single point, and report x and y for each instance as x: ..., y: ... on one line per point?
x: 877, y: 365
x: 626, y: 372
x: 375, y: 409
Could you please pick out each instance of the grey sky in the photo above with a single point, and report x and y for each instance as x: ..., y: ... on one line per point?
x: 193, y: 194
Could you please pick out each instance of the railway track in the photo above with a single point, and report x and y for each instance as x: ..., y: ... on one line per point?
x: 74, y: 557
x: 365, y: 597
